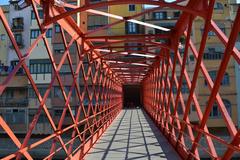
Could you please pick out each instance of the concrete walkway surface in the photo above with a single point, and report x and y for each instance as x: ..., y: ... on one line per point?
x: 132, y: 136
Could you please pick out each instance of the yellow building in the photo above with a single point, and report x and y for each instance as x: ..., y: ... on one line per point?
x: 125, y: 11
x: 168, y: 18
x: 95, y: 21
x: 213, y: 55
x: 234, y: 4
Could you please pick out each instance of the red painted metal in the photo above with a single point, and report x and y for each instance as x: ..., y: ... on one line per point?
x: 102, y: 80
x: 150, y: 86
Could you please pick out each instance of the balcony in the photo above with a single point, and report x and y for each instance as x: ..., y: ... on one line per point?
x: 19, y: 40
x: 16, y: 118
x: 19, y: 80
x: 17, y: 24
x: 12, y: 102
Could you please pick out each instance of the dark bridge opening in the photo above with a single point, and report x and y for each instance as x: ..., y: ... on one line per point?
x: 132, y: 96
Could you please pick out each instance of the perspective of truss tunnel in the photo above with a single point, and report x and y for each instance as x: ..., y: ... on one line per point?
x: 106, y: 72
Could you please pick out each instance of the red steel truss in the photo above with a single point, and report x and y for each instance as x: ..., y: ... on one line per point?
x: 103, y: 75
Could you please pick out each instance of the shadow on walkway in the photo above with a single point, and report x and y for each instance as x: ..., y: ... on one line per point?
x: 132, y: 136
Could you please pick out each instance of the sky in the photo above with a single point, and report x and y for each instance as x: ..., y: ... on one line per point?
x: 4, y: 1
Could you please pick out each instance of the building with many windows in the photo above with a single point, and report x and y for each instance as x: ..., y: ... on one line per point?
x: 41, y: 71
x: 234, y: 4
x: 213, y: 55
x: 14, y: 100
x: 168, y: 18
x: 3, y: 40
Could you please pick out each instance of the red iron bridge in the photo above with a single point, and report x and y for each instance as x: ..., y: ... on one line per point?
x: 127, y: 108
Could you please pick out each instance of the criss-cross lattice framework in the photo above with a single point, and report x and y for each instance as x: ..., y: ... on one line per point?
x: 99, y: 77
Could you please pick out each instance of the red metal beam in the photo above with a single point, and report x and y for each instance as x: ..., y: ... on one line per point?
x: 229, y: 48
x: 121, y: 2
x: 132, y: 36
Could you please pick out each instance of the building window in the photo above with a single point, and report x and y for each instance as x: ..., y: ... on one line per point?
x: 132, y: 28
x: 33, y: 15
x: 58, y: 112
x: 31, y: 93
x: 179, y: 108
x: 216, y: 113
x: 96, y: 21
x: 3, y: 37
x: 14, y: 63
x: 176, y: 14
x: 58, y: 91
x: 211, y: 33
x: 35, y: 33
x: 40, y: 66
x: 17, y: 23
x: 131, y: 7
x: 218, y: 6
x: 40, y: 13
x: 184, y: 88
x: 213, y: 75
x: 42, y: 91
x: 213, y: 54
x: 191, y: 57
x: 16, y: 6
x: 42, y: 118
x: 228, y: 106
x: 9, y: 93
x: 15, y: 116
x: 58, y: 51
x: 160, y: 15
x: 49, y: 33
x: 193, y: 108
x: 133, y: 46
x: 150, y: 32
x: 19, y: 39
x: 65, y: 69
x: 225, y: 80
x: 57, y: 28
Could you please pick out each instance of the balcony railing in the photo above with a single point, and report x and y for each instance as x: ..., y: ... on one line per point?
x: 11, y: 102
x: 6, y: 70
x: 20, y: 44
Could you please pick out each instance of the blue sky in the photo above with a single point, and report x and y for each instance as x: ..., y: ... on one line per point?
x: 4, y: 1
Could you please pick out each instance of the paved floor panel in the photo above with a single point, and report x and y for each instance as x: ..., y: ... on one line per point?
x: 132, y: 136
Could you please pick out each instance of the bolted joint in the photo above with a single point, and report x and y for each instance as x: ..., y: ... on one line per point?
x: 58, y: 132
